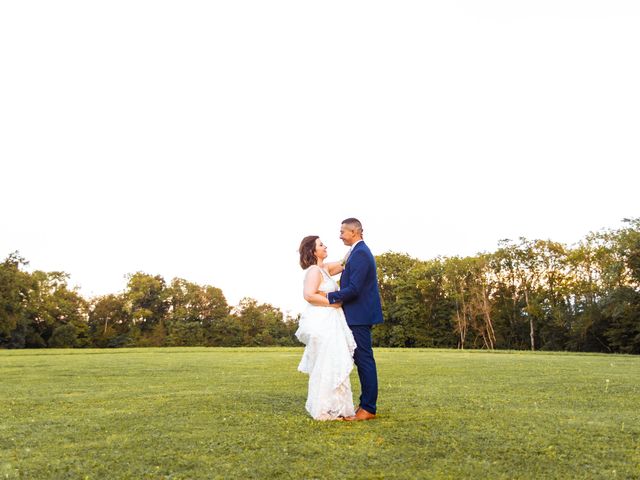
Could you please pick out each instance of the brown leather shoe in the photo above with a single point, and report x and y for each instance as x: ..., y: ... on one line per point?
x: 361, y: 414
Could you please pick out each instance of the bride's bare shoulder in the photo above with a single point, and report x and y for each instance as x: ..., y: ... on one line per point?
x: 312, y: 270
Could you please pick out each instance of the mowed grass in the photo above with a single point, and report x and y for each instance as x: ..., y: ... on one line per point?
x: 206, y: 413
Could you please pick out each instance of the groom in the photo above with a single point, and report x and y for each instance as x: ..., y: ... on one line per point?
x: 361, y: 304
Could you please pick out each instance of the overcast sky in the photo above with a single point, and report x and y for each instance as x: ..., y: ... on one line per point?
x: 203, y: 140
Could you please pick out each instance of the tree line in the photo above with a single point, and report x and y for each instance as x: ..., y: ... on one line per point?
x: 528, y: 294
x: 39, y: 310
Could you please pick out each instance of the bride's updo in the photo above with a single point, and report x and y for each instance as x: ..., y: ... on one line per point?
x: 307, y: 251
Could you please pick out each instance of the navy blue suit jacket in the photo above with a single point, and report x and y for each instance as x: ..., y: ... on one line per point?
x: 359, y: 288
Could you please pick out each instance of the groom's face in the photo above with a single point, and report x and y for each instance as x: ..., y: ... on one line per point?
x: 347, y: 234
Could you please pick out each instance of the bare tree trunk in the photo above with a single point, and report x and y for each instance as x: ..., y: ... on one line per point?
x: 461, y: 315
x: 465, y: 323
x: 462, y: 331
x: 484, y: 340
x: 531, y: 331
x: 486, y: 308
x: 531, y: 334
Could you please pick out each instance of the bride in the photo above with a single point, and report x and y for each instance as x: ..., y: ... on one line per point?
x: 328, y: 355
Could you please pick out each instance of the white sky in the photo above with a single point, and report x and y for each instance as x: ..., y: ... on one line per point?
x: 203, y: 140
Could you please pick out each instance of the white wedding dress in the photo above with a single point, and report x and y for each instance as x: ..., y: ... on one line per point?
x: 327, y: 357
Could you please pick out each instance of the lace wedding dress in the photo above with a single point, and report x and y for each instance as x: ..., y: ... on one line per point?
x: 327, y: 357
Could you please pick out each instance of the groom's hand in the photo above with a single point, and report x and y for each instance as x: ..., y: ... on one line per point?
x: 326, y: 295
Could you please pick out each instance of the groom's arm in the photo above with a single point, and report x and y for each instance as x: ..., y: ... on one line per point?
x: 359, y: 266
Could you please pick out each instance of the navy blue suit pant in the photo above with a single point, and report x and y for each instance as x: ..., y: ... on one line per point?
x: 366, y: 364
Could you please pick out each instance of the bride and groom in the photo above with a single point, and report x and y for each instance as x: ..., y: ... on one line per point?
x: 336, y: 326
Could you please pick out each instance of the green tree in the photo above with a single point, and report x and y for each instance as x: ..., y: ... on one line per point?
x: 52, y: 304
x: 147, y: 304
x: 508, y: 303
x: 622, y: 307
x: 64, y: 336
x: 109, y: 321
x: 194, y: 312
x: 15, y: 287
x: 398, y: 296
x: 587, y: 261
x: 227, y: 333
x: 622, y: 304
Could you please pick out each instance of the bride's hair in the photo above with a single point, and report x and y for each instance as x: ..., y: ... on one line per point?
x: 307, y: 251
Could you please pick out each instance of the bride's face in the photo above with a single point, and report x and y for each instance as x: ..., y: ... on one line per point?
x: 321, y: 250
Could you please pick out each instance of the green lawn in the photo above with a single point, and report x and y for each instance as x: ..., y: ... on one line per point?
x: 207, y: 413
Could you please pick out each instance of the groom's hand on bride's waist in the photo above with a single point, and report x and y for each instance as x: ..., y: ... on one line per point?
x: 326, y: 295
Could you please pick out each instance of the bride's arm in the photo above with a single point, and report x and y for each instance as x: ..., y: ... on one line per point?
x: 311, y: 284
x: 334, y: 268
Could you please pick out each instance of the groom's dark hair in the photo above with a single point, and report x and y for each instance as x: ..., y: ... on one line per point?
x: 354, y: 223
x: 307, y: 251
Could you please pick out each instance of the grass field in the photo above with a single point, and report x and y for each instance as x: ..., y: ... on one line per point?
x: 239, y: 413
